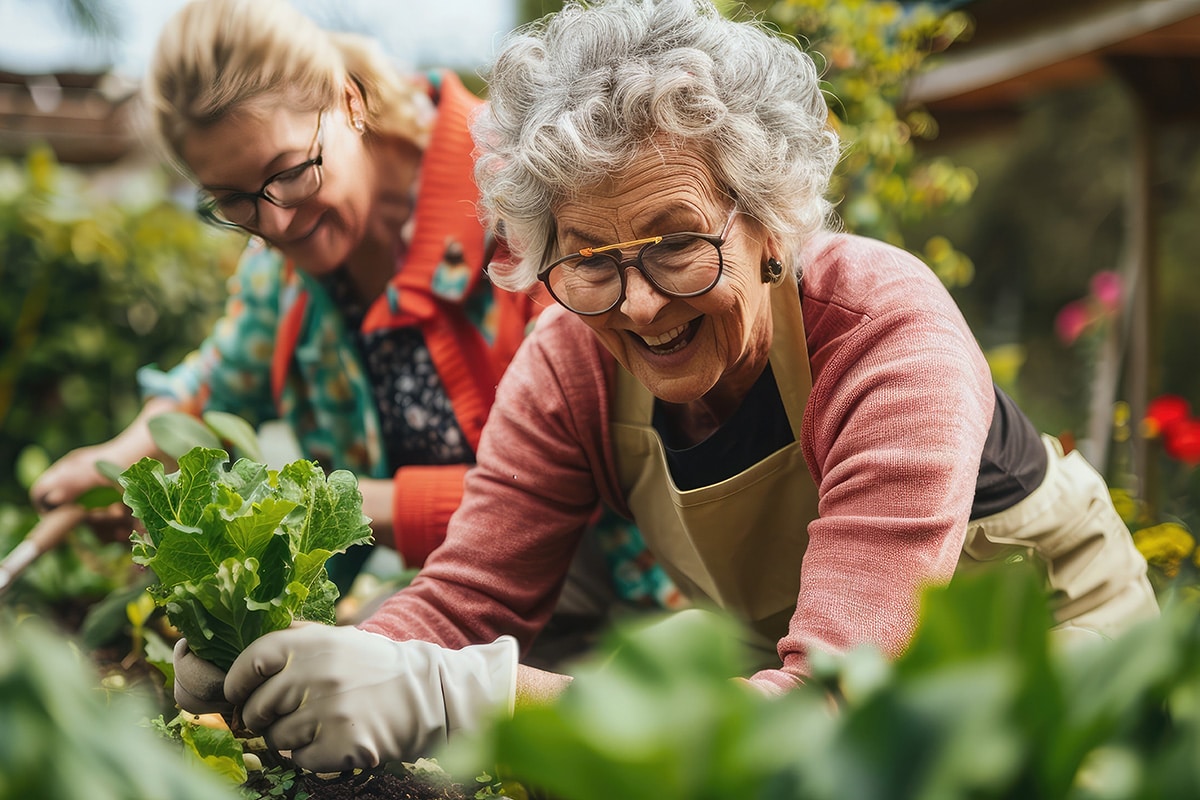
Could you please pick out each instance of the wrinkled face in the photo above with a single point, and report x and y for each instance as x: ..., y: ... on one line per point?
x: 251, y: 145
x: 679, y: 348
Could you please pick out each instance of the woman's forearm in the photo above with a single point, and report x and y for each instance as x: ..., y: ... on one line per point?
x: 538, y: 687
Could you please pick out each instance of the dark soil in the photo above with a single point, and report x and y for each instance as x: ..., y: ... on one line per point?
x: 383, y: 786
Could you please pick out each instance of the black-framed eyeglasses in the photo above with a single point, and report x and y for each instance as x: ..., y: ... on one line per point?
x: 592, y: 280
x: 286, y: 189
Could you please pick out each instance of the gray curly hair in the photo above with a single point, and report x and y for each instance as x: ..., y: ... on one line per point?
x: 580, y: 94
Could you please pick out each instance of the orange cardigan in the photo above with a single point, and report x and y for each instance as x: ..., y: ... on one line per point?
x: 447, y: 230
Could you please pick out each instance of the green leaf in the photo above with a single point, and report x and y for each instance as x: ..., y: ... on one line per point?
x: 109, y: 470
x: 240, y: 552
x: 236, y: 431
x: 161, y: 655
x: 175, y: 433
x: 99, y: 497
x: 217, y: 748
x: 335, y: 520
x: 65, y: 739
x: 107, y: 619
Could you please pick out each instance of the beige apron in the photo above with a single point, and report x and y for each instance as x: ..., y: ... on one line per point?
x: 707, y: 539
x: 1097, y: 578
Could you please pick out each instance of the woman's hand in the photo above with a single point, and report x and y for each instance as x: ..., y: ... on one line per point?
x: 342, y: 698
x: 377, y: 504
x: 75, y: 473
x: 70, y: 477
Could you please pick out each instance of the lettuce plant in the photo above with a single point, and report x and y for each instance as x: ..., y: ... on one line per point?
x: 240, y: 551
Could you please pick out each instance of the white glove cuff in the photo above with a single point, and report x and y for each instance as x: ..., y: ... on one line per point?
x: 478, y: 681
x: 503, y: 666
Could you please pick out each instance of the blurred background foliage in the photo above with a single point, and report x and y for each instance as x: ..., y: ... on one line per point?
x: 1047, y: 215
x: 100, y: 276
x: 77, y: 739
x: 97, y: 282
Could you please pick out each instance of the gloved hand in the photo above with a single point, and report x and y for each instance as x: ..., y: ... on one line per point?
x: 342, y: 698
x: 199, y: 684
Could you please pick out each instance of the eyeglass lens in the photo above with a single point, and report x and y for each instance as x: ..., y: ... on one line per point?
x: 681, y: 265
x: 287, y: 189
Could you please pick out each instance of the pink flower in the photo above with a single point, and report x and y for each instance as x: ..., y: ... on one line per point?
x: 1071, y: 321
x: 1107, y: 289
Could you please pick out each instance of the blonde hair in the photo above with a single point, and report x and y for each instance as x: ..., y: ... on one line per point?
x: 214, y: 57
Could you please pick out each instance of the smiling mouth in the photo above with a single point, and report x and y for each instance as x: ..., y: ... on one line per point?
x: 311, y: 231
x: 671, y: 341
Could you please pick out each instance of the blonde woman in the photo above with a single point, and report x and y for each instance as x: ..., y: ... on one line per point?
x: 359, y: 313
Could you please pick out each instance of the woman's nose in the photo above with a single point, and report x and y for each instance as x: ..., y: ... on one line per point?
x: 642, y: 301
x: 273, y: 221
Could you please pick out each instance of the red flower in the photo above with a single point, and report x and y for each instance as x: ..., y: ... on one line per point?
x: 1181, y: 440
x: 1163, y: 412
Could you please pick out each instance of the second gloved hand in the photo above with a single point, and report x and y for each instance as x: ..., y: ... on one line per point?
x: 199, y: 684
x: 341, y: 698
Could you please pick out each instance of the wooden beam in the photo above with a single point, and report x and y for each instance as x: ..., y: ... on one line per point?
x: 971, y: 71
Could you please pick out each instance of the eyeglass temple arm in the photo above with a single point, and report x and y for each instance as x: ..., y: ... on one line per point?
x: 588, y: 251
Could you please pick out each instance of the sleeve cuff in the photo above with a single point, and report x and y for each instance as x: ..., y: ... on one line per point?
x: 424, y: 499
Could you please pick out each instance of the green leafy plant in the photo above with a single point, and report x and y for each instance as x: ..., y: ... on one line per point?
x: 274, y: 782
x: 985, y: 703
x: 240, y: 551
x: 214, y: 746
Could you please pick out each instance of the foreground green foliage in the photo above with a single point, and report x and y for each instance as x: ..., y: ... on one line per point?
x: 65, y: 738
x: 984, y: 705
x: 241, y: 552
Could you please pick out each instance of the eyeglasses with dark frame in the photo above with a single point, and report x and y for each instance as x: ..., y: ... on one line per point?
x: 285, y: 189
x: 592, y: 281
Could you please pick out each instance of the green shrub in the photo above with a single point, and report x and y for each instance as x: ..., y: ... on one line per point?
x: 95, y: 286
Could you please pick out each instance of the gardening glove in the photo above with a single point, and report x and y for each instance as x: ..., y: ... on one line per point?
x: 342, y: 698
x: 199, y: 684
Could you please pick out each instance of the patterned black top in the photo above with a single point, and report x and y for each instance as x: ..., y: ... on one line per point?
x: 416, y: 417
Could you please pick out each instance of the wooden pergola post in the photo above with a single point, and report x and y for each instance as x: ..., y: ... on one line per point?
x: 1132, y: 341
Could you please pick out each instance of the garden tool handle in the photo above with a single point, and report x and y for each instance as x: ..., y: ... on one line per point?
x: 49, y: 532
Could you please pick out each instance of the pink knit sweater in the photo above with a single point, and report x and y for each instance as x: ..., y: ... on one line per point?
x: 893, y: 433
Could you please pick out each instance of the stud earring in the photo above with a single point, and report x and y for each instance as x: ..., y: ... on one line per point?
x: 772, y: 271
x: 358, y: 124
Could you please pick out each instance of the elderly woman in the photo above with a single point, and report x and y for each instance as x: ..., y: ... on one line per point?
x: 799, y: 421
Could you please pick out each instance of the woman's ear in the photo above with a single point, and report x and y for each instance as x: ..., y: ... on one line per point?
x: 355, y: 108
